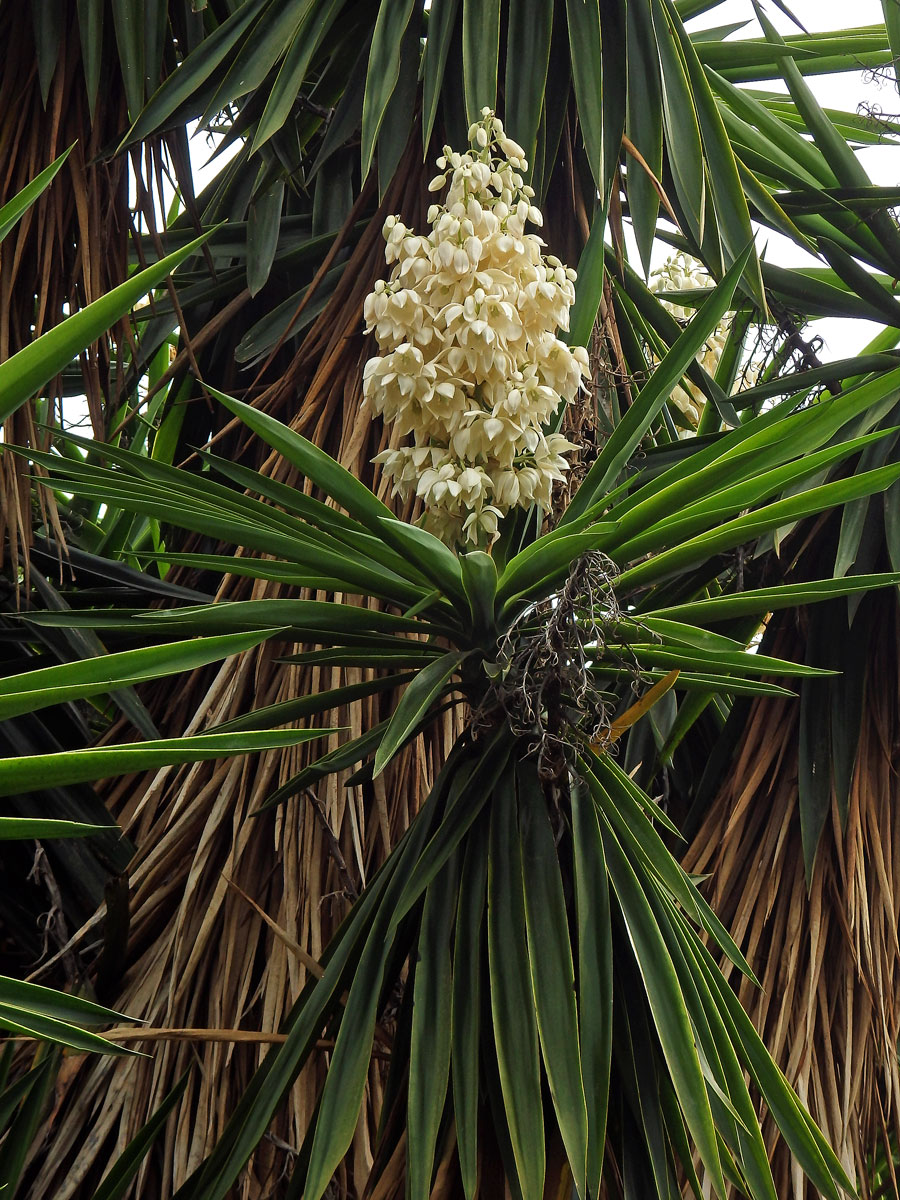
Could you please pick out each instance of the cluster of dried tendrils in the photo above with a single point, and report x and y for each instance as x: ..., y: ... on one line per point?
x: 545, y: 680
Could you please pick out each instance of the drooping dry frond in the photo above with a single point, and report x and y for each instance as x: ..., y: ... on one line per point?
x: 827, y: 956
x: 71, y: 246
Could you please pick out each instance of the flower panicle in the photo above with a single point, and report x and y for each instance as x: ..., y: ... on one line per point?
x: 682, y: 272
x: 471, y: 368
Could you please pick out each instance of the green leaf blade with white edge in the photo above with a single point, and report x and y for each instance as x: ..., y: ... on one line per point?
x: 15, y: 209
x: 40, y: 771
x: 552, y: 971
x: 627, y: 435
x: 585, y: 44
x: 16, y: 829
x: 431, y: 557
x: 481, y: 55
x: 479, y: 578
x: 383, y: 71
x: 595, y: 973
x: 667, y: 1004
x: 429, y: 1064
x: 60, y: 1006
x: 34, y: 1011
x: 315, y: 464
x: 32, y: 690
x: 764, y: 600
x: 115, y: 1183
x: 465, y: 1005
x: 416, y: 700
x: 27, y: 371
x: 59, y: 1033
x: 763, y: 520
x: 512, y: 1001
x: 806, y: 1142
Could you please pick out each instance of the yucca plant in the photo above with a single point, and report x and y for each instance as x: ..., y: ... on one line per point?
x: 307, y: 87
x: 531, y: 943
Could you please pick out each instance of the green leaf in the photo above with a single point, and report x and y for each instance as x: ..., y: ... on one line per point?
x: 28, y: 370
x: 746, y: 1136
x: 21, y: 1133
x: 383, y: 71
x: 18, y: 829
x: 115, y: 1182
x: 527, y: 59
x: 263, y: 227
x: 103, y: 762
x: 346, y: 1079
x: 762, y: 520
x: 763, y: 600
x: 479, y: 577
x: 129, y: 26
x: 48, y: 1002
x: 314, y: 463
x: 182, y: 91
x: 627, y: 435
x: 585, y: 43
x: 481, y: 55
x: 552, y: 971
x: 48, y: 21
x: 512, y: 1002
x: 90, y: 28
x: 436, y: 561
x: 666, y: 1000
x: 314, y: 23
x: 683, y: 138
x: 465, y: 1006
x: 429, y: 1060
x: 32, y: 1011
x: 13, y: 1095
x: 414, y: 704
x: 645, y: 130
x: 861, y: 281
x: 589, y: 291
x: 14, y: 209
x: 595, y: 973
x: 891, y: 13
x: 346, y: 755
x: 470, y: 793
x: 544, y: 564
x: 711, y: 662
x: 441, y: 26
x: 308, y: 706
x: 807, y: 1144
x: 32, y: 690
x: 727, y: 192
x: 256, y: 1107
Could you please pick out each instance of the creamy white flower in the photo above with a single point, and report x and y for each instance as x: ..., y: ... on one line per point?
x: 680, y: 273
x: 470, y: 365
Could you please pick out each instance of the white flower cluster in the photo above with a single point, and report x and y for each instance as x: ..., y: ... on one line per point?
x: 470, y: 366
x: 681, y: 273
